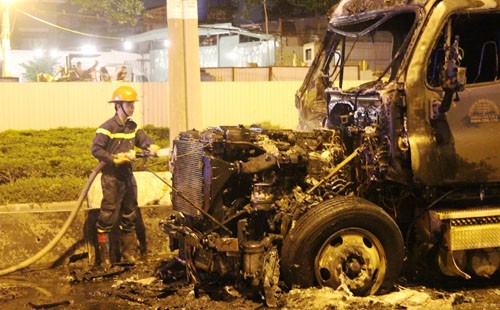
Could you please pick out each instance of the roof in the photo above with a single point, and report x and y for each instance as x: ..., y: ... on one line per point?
x: 203, y: 30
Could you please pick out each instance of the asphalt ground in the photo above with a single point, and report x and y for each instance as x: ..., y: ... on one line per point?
x: 160, y: 283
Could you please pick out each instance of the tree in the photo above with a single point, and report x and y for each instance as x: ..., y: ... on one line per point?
x: 38, y: 65
x: 120, y: 11
x: 319, y: 8
x: 264, y: 4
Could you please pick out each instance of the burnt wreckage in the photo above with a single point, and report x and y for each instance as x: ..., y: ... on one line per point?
x: 406, y: 165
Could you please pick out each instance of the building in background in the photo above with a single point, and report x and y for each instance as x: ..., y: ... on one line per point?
x: 54, y: 27
x: 221, y: 45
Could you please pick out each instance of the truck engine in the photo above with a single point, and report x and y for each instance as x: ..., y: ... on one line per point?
x: 238, y: 191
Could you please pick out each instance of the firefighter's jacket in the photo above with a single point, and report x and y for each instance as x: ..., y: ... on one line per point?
x: 114, y: 137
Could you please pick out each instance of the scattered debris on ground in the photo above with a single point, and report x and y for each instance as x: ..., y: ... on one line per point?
x: 402, y: 298
x: 163, y: 285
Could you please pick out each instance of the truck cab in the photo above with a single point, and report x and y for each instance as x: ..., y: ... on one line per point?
x: 435, y: 103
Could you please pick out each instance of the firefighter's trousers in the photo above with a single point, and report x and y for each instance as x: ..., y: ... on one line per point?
x: 119, y: 202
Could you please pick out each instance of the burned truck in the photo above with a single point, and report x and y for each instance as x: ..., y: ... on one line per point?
x: 403, y: 170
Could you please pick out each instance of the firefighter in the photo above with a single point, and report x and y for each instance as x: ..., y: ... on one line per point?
x: 114, y: 144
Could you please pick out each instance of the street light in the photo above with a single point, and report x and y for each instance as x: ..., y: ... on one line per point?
x: 5, y: 38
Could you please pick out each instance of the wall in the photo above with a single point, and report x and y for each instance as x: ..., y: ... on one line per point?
x: 84, y: 104
x: 246, y: 103
x: 51, y: 105
x: 255, y: 74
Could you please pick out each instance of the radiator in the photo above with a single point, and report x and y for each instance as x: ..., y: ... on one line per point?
x: 187, y: 177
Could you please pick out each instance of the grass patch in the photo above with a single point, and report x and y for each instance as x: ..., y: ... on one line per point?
x: 53, y: 165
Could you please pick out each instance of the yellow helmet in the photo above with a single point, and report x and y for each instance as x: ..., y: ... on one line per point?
x: 124, y: 93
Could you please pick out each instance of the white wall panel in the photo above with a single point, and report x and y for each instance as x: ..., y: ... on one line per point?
x: 155, y: 104
x: 51, y: 105
x: 251, y: 74
x: 85, y: 104
x: 289, y: 73
x: 221, y: 74
x: 233, y: 103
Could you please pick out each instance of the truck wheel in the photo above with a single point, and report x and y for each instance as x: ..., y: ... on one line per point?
x: 346, y: 240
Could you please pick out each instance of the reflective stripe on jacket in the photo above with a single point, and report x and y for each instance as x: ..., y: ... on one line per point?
x: 114, y: 137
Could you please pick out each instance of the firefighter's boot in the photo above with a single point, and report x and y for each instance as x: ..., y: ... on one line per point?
x: 103, y: 241
x: 128, y: 246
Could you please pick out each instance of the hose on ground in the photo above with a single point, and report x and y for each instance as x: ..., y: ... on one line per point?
x: 62, y: 232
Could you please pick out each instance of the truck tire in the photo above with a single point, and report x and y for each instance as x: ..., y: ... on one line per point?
x: 345, y: 240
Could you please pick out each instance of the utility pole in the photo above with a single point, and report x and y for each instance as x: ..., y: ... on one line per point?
x: 280, y: 29
x: 5, y: 38
x: 185, y: 111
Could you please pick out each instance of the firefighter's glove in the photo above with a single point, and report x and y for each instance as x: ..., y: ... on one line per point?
x: 118, y: 161
x: 153, y: 149
x: 122, y: 158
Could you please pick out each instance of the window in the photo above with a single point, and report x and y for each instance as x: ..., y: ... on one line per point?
x: 309, y: 55
x: 479, y: 38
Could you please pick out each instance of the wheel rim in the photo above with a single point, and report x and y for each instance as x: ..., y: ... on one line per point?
x: 352, y: 256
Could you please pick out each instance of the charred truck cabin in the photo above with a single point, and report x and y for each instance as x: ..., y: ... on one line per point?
x: 405, y: 167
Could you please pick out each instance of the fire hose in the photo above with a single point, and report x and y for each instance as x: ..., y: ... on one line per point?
x: 62, y: 232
